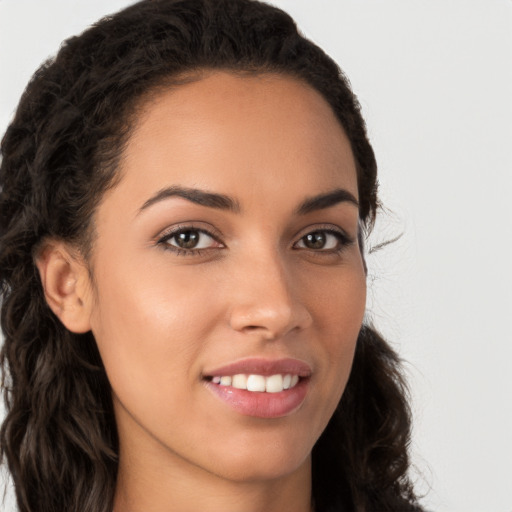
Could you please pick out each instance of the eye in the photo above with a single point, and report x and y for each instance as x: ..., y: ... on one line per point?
x: 189, y: 239
x: 323, y: 240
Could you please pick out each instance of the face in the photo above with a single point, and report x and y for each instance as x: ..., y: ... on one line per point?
x: 229, y: 288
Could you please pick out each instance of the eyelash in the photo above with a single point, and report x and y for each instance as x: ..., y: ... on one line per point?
x: 342, y: 238
x: 179, y: 251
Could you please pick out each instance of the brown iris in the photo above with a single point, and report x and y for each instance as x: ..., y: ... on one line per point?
x: 315, y: 240
x: 187, y: 239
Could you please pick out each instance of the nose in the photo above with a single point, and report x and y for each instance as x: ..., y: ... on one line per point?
x: 266, y: 299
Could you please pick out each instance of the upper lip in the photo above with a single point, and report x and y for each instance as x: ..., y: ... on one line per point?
x: 265, y: 367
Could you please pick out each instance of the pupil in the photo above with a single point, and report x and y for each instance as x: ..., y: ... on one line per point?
x: 315, y: 240
x: 187, y: 239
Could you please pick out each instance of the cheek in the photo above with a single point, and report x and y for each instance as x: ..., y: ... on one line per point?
x: 339, y: 311
x: 136, y: 301
x: 339, y: 304
x: 147, y: 329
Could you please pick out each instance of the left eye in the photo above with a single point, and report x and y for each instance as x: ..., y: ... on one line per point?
x: 321, y: 241
x: 189, y: 239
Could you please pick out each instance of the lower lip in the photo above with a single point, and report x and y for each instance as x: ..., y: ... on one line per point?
x: 260, y: 404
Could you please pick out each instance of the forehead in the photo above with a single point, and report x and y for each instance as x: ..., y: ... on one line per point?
x: 238, y: 134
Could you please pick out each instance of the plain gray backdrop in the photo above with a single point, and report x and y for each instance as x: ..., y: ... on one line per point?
x: 434, y: 78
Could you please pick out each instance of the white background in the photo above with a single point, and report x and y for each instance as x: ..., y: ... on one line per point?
x: 435, y: 81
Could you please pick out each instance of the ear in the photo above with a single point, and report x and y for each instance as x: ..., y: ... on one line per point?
x: 66, y: 285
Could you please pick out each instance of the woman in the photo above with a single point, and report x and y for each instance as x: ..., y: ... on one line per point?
x: 185, y: 191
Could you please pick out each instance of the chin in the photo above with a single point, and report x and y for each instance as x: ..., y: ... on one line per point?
x: 257, y: 470
x: 262, y: 459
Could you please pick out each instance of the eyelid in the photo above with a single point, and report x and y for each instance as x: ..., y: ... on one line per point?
x: 201, y: 226
x: 328, y: 228
x: 167, y: 234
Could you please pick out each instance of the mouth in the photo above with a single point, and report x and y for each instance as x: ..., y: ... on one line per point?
x: 257, y: 383
x: 261, y: 388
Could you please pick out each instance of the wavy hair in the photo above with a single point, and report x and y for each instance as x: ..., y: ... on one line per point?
x: 60, y: 155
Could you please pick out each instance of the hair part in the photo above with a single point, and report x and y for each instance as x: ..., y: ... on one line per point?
x: 60, y: 155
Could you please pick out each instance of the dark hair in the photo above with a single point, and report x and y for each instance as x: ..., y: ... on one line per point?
x: 59, y: 156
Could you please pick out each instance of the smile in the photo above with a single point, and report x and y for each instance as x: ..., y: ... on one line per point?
x: 258, y: 383
x: 261, y: 388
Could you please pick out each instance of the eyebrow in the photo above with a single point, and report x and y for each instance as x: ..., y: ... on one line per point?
x: 326, y: 200
x: 201, y: 197
x: 223, y: 202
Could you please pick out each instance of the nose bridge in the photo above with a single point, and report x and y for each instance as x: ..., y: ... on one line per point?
x: 266, y: 299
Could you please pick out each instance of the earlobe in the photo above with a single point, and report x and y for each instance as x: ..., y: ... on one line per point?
x: 66, y: 285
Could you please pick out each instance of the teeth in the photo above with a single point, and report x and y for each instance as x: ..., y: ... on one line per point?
x: 258, y: 383
x: 225, y: 381
x: 255, y: 383
x: 239, y: 381
x: 274, y: 384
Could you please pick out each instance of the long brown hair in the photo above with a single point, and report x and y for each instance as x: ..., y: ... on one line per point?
x: 59, y: 156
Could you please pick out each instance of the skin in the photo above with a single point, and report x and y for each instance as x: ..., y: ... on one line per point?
x: 256, y: 289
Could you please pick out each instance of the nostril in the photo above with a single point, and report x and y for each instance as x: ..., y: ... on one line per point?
x: 271, y: 320
x: 263, y: 332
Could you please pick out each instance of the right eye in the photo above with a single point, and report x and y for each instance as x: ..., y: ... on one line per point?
x: 188, y: 240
